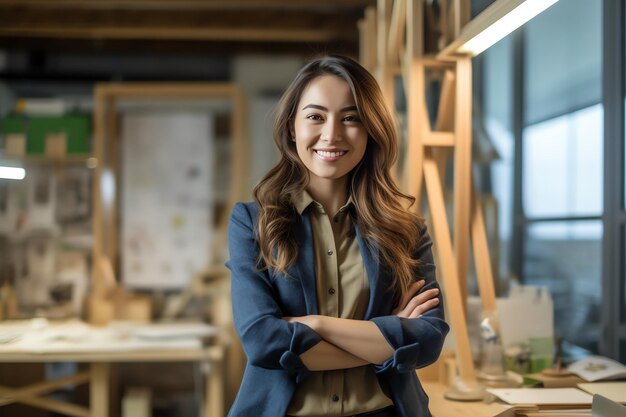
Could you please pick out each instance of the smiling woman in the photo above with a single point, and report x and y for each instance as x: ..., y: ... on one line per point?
x: 333, y: 283
x: 330, y: 138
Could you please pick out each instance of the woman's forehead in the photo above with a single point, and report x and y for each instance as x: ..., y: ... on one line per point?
x: 327, y: 90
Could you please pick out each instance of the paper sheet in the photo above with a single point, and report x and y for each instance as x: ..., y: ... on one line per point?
x: 615, y: 391
x: 596, y: 368
x: 542, y: 396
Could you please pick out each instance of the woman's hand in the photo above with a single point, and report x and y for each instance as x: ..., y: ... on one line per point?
x: 413, y: 304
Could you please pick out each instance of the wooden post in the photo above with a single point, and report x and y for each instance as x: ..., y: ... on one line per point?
x: 99, y: 389
x: 462, y: 168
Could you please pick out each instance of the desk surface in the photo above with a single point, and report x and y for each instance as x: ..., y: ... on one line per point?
x: 440, y: 407
x: 79, y: 342
x: 152, y: 355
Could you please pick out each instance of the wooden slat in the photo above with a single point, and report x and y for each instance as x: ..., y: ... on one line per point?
x: 440, y: 139
x: 50, y: 404
x: 99, y: 389
x: 418, y: 127
x: 462, y: 169
x: 112, y: 208
x: 445, y: 112
x: 181, y: 90
x: 491, y: 14
x: 368, y: 40
x: 99, y: 123
x: 448, y: 266
x: 214, y: 397
x: 484, y: 274
x: 396, y: 32
x: 16, y: 394
x: 169, y: 33
x: 191, y: 4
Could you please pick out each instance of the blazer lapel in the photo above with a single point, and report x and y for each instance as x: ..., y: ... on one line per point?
x: 372, y: 267
x: 305, y: 264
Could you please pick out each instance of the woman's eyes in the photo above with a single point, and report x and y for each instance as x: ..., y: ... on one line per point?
x: 347, y: 118
x: 351, y: 118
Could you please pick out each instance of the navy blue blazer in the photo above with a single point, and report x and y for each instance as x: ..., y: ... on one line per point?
x: 272, y: 345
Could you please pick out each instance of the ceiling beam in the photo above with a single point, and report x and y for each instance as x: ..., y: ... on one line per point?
x: 193, y: 4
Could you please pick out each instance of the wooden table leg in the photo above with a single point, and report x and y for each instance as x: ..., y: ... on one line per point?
x: 214, y: 397
x: 99, y: 389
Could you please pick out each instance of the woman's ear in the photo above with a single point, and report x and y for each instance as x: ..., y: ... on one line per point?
x: 292, y: 131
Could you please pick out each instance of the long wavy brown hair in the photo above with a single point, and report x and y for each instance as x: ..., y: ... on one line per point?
x: 382, y: 211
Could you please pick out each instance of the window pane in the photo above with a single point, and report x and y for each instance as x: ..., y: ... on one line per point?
x: 498, y: 114
x: 566, y: 258
x: 563, y: 59
x: 563, y: 165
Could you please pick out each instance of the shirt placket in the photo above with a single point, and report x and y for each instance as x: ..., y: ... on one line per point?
x: 333, y: 309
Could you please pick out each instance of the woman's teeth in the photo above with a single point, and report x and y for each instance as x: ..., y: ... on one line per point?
x: 330, y: 154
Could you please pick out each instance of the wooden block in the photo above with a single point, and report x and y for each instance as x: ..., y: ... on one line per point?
x: 56, y: 145
x: 15, y: 144
x: 137, y: 402
x: 137, y: 309
x: 101, y: 311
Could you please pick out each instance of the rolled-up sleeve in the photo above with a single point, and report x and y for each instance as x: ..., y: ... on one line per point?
x: 417, y: 342
x: 268, y: 341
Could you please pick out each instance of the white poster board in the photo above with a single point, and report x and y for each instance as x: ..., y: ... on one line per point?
x: 167, y: 202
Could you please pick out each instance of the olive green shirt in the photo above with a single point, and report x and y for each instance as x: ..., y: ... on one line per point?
x: 342, y: 291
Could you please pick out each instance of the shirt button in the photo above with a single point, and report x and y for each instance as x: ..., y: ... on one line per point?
x: 330, y: 252
x: 331, y: 291
x: 335, y: 398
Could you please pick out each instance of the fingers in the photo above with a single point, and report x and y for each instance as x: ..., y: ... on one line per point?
x: 423, y: 308
x: 421, y: 303
x: 413, y: 289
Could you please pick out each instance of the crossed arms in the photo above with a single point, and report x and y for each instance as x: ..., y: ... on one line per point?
x: 351, y: 343
x: 410, y: 337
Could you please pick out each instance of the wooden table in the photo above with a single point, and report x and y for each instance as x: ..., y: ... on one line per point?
x: 441, y: 407
x: 99, y: 372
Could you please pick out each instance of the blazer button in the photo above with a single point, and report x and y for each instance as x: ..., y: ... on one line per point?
x: 330, y: 252
x: 335, y: 398
x: 331, y: 291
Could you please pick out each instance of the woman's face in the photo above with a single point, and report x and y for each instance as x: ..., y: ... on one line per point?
x: 330, y: 138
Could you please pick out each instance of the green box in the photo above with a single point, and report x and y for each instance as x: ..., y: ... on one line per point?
x: 77, y: 128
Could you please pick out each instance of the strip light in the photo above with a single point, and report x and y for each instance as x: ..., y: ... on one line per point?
x: 12, y: 173
x: 494, y: 23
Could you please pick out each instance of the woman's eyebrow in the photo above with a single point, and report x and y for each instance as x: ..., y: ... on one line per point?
x: 322, y: 108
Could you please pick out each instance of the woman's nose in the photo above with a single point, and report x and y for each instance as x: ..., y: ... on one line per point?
x: 331, y: 131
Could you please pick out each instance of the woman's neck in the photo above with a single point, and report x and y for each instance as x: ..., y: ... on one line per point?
x: 331, y: 194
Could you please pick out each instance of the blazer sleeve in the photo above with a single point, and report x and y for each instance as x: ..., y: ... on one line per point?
x: 268, y: 341
x: 416, y: 342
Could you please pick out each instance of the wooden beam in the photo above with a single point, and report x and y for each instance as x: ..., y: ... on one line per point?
x: 462, y: 168
x: 396, y: 32
x: 473, y: 27
x: 208, y: 33
x: 447, y: 264
x: 442, y: 139
x: 191, y: 4
x: 482, y: 262
x: 252, y: 25
x: 367, y: 40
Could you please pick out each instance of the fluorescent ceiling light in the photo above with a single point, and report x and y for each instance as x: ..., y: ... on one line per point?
x: 12, y: 173
x: 494, y: 23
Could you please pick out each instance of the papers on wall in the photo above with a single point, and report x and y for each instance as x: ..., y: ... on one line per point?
x: 167, y: 197
x: 550, y: 397
x: 597, y: 368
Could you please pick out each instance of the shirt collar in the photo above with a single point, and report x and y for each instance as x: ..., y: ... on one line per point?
x: 303, y: 200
